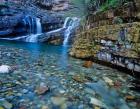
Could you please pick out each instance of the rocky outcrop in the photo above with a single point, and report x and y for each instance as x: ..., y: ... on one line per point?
x: 111, y: 37
x: 12, y: 15
x: 106, y: 43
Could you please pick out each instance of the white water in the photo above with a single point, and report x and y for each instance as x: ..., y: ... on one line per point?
x: 70, y: 24
x: 34, y: 37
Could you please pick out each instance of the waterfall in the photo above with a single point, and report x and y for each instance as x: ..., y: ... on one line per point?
x: 70, y: 24
x: 39, y: 27
x: 35, y: 29
x: 33, y: 37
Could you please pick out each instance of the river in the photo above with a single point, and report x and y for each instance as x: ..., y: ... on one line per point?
x: 70, y: 85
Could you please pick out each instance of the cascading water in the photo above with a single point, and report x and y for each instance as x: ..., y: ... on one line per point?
x: 34, y: 37
x: 70, y: 24
x: 35, y: 29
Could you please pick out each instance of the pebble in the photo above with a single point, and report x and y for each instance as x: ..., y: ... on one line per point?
x: 42, y: 89
x: 58, y: 100
x: 97, y: 102
x: 5, y: 69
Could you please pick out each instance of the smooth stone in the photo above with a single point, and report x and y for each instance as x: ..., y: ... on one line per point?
x: 5, y: 69
x: 97, y: 102
x: 58, y: 100
x: 108, y: 80
x: 62, y: 91
x: 42, y: 89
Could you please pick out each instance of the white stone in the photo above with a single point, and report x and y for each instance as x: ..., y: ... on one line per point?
x: 137, y: 68
x: 5, y: 69
x: 97, y: 102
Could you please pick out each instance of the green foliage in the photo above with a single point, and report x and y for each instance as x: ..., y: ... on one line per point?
x: 109, y: 4
x: 105, y: 4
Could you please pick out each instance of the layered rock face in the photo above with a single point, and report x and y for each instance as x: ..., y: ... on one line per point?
x: 12, y: 14
x: 110, y: 40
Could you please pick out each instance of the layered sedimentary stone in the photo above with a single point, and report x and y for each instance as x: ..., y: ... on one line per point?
x: 107, y: 43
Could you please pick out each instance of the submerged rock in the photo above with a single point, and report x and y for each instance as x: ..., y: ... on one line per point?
x: 88, y: 64
x: 108, y: 81
x: 59, y: 101
x: 42, y: 89
x: 79, y: 78
x: 97, y: 102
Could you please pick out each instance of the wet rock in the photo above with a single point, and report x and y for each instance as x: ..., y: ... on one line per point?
x: 88, y: 64
x: 42, y: 89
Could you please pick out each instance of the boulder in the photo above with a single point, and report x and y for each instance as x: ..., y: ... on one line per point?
x: 5, y: 69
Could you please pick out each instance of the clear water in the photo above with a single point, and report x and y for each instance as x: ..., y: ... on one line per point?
x: 56, y: 70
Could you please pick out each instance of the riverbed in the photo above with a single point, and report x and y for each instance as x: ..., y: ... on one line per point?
x: 47, y: 78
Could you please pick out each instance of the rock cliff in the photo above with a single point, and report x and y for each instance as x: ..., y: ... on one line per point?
x: 111, y: 37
